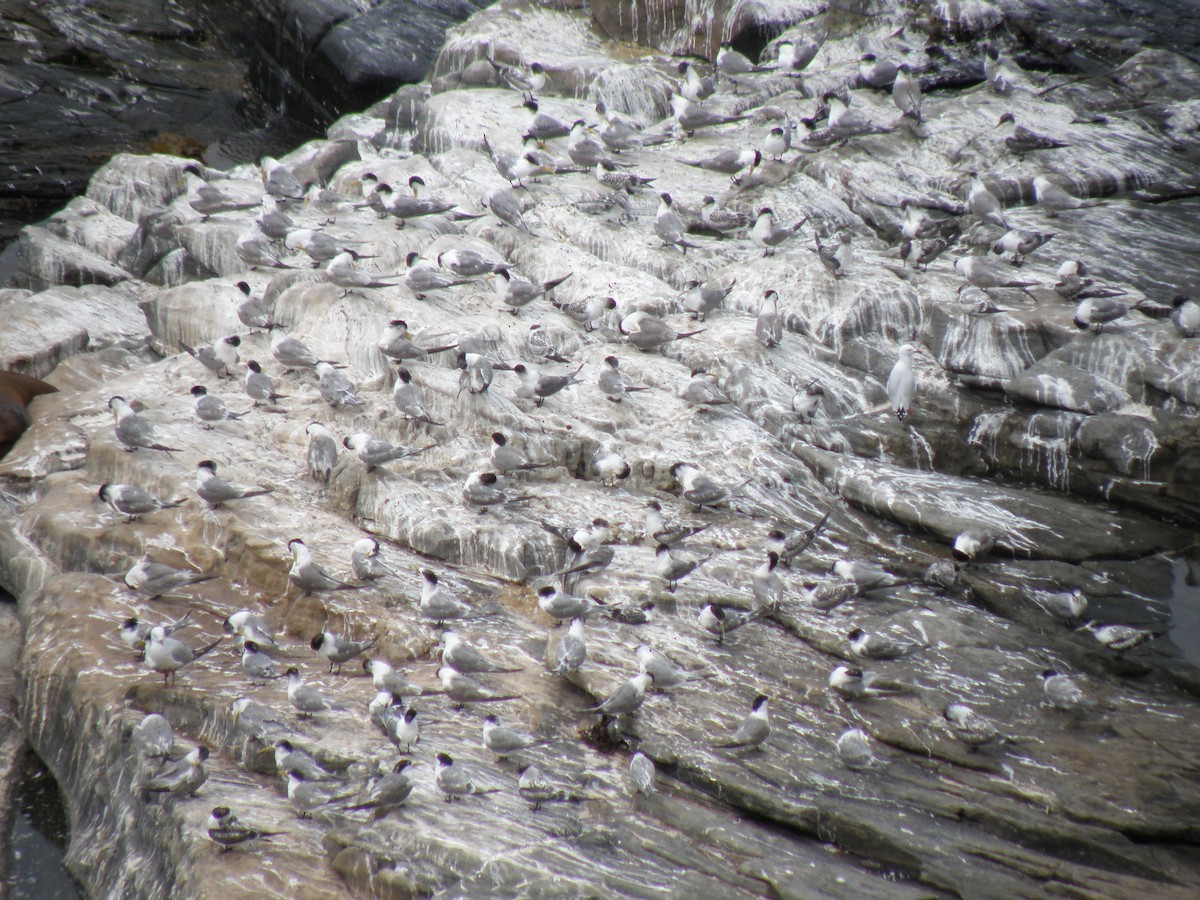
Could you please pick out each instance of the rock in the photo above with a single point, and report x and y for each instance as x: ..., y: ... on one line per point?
x: 1076, y: 452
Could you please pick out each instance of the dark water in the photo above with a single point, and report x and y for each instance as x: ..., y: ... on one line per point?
x: 39, y: 837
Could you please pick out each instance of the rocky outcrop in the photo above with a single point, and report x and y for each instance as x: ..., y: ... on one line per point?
x: 1075, y: 451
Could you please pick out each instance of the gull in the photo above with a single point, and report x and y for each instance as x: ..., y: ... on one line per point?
x: 648, y: 332
x: 1065, y: 605
x: 155, y: 579
x: 373, y: 452
x: 906, y: 93
x: 462, y: 690
x: 306, y: 699
x: 537, y: 387
x: 768, y: 327
x: 293, y: 354
x: 1020, y: 139
x: 703, y: 297
x: 1020, y: 243
x: 504, y: 741
x: 691, y: 117
x: 322, y: 452
x: 455, y: 783
x: 132, y: 430
x: 183, y: 777
x: 626, y: 699
x: 310, y: 577
x: 211, y: 409
x: 702, y: 392
x: 717, y: 218
x: 397, y: 343
x: 1055, y: 199
x: 983, y: 203
x: 1119, y: 638
x: 669, y: 227
x: 466, y: 660
x: 220, y: 358
x: 642, y: 774
x: 409, y: 399
x: 253, y: 312
x: 611, y: 384
x: 728, y: 162
x: 902, y: 383
x: 854, y: 749
x: 767, y: 234
x: 1060, y: 691
x: 216, y: 491
x: 259, y: 387
x: 225, y: 830
x: 515, y: 292
x: 167, y: 655
x: 131, y: 501
x: 695, y: 88
x: 571, y: 651
x: 754, y: 730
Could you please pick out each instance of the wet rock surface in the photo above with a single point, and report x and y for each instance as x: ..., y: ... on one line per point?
x: 1073, y: 452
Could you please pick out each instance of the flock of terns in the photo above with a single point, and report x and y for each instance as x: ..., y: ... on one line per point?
x: 313, y: 789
